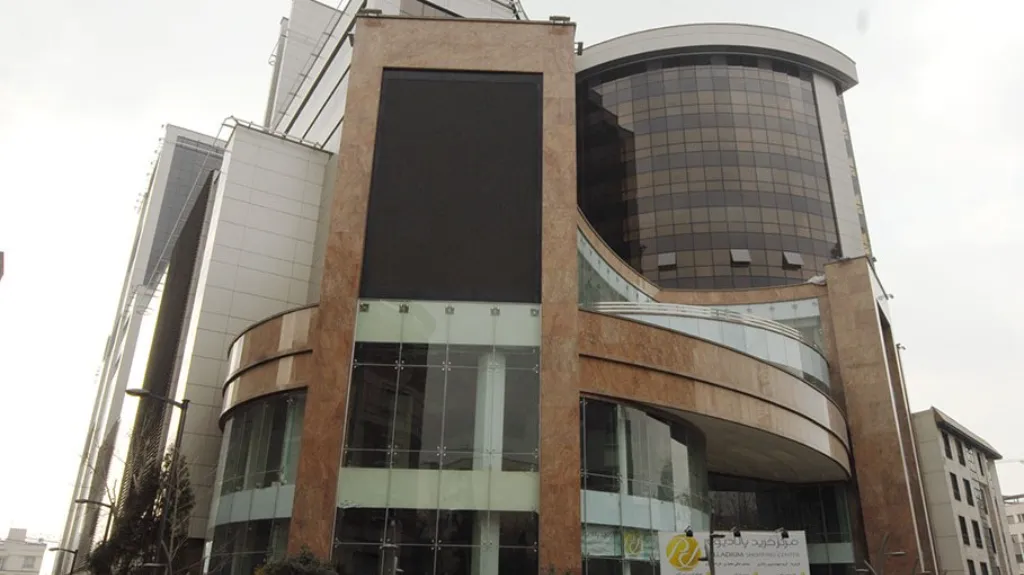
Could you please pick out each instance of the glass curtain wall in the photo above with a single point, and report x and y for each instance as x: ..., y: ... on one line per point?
x: 642, y: 473
x: 707, y: 171
x: 262, y: 440
x: 819, y: 509
x: 439, y: 473
x: 240, y: 548
x: 255, y: 483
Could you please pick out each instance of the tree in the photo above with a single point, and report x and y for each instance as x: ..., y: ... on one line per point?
x: 305, y: 563
x: 151, y: 488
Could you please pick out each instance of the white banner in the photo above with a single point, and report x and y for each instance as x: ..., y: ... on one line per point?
x: 752, y: 553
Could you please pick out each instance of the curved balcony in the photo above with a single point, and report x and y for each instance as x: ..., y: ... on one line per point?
x: 769, y: 341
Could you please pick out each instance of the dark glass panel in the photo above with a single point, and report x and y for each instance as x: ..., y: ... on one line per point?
x: 353, y: 559
x: 517, y: 561
x: 419, y: 408
x: 460, y: 400
x: 376, y: 353
x: 521, y: 418
x: 373, y: 393
x: 517, y: 528
x: 454, y: 561
x: 602, y: 566
x: 732, y: 116
x: 600, y: 456
x: 455, y: 527
x: 411, y: 526
x: 360, y: 525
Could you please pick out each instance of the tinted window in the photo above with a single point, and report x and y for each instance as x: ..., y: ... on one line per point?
x: 455, y: 199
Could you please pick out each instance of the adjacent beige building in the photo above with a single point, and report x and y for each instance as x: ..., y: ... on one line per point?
x: 1014, y: 513
x: 20, y: 556
x: 965, y: 504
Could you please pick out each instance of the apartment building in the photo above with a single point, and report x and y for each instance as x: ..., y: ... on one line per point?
x: 965, y: 504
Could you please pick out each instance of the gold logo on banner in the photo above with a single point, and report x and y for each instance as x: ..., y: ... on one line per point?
x: 683, y: 553
x: 633, y: 543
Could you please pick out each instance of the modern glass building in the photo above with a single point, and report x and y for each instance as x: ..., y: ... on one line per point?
x: 482, y: 300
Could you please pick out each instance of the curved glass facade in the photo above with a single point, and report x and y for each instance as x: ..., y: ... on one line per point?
x: 598, y: 281
x: 439, y: 473
x: 255, y: 483
x: 642, y: 473
x: 261, y: 443
x: 775, y: 343
x: 822, y: 510
x: 240, y: 548
x: 707, y: 171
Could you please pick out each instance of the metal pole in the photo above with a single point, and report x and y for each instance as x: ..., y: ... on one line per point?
x: 110, y: 515
x: 711, y: 544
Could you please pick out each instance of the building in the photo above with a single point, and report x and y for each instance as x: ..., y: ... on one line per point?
x: 479, y: 298
x: 18, y: 555
x: 1014, y: 505
x: 965, y: 504
x: 185, y: 160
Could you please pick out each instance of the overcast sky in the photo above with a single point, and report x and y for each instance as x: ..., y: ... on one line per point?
x: 85, y: 86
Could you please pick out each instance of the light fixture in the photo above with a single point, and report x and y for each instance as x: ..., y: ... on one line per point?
x: 736, y: 532
x: 688, y: 532
x: 579, y: 48
x: 560, y: 19
x: 783, y: 533
x: 370, y: 12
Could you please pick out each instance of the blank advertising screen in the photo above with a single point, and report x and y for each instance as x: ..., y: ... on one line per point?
x: 455, y: 197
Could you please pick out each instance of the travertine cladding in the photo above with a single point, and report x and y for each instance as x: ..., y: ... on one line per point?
x: 630, y: 360
x: 885, y: 488
x: 271, y: 356
x: 284, y: 333
x: 530, y: 47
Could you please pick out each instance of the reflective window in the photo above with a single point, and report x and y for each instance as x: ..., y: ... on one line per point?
x: 429, y: 541
x: 598, y: 281
x: 701, y: 155
x: 439, y: 473
x: 239, y: 548
x: 419, y: 406
x: 820, y: 509
x: 262, y: 443
x: 641, y: 474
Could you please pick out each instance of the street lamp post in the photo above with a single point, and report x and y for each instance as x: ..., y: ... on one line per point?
x: 183, y: 406
x: 110, y: 513
x: 712, y: 536
x: 74, y: 556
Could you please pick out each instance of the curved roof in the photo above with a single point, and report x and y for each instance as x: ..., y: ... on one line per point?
x: 724, y: 38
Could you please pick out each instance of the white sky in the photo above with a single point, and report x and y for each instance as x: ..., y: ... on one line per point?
x: 85, y: 86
